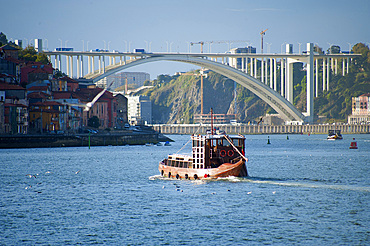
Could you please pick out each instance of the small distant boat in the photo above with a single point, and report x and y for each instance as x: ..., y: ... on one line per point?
x: 334, y: 135
x: 159, y: 144
x: 167, y: 143
x: 149, y: 144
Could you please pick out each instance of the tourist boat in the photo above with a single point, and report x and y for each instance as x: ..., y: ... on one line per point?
x: 334, y: 135
x: 214, y: 155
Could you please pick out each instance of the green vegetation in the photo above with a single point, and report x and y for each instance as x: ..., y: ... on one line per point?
x: 29, y: 54
x: 93, y: 122
x: 336, y: 103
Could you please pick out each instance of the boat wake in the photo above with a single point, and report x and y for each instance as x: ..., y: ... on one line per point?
x: 316, y: 185
x: 279, y: 182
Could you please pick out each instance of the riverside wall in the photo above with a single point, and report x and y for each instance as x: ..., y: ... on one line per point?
x: 262, y: 129
x: 79, y: 140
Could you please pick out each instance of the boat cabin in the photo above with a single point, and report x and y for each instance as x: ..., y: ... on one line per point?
x: 211, y: 151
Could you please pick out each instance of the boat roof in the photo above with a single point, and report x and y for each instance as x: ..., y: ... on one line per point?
x: 180, y: 157
x: 218, y: 136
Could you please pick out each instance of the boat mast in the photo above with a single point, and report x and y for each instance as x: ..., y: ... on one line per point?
x: 212, y: 121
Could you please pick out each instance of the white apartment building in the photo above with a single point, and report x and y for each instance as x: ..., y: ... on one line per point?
x: 139, y: 110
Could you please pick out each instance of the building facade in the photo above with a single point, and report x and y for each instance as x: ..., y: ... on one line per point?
x: 139, y: 110
x: 360, y: 110
x: 136, y: 78
x: 237, y: 62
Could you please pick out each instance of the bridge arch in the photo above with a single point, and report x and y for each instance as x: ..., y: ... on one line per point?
x: 271, y: 97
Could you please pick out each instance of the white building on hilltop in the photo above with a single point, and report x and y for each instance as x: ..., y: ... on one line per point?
x: 139, y: 110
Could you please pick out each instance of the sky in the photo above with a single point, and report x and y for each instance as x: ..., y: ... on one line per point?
x: 170, y: 25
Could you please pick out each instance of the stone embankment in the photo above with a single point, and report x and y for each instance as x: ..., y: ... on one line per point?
x: 261, y: 129
x: 78, y: 140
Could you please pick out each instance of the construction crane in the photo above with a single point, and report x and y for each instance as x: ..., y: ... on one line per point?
x: 262, y: 33
x: 218, y: 42
x: 201, y: 45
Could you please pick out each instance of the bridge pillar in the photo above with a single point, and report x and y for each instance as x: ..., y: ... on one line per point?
x: 60, y: 62
x: 99, y: 64
x: 317, y: 77
x: 82, y: 66
x: 262, y: 69
x: 343, y: 67
x: 251, y: 72
x: 71, y: 63
x: 89, y: 64
x: 282, y: 62
x: 309, y: 81
x: 56, y: 62
x: 271, y: 72
x: 323, y: 74
x: 247, y: 64
x: 92, y: 64
x: 327, y: 74
x: 255, y: 68
x: 266, y: 72
x: 67, y: 63
x: 275, y: 77
x: 289, y: 80
x: 78, y: 66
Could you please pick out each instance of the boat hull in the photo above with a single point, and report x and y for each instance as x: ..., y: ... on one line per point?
x: 225, y: 170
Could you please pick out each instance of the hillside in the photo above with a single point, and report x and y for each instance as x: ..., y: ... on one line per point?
x: 175, y: 99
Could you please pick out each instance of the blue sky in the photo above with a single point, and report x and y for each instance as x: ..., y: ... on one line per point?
x: 96, y: 24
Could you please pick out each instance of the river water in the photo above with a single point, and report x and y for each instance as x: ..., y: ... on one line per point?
x: 304, y: 190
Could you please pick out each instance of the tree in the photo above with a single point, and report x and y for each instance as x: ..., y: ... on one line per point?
x: 41, y: 57
x: 363, y: 61
x: 3, y: 39
x: 29, y: 54
x: 93, y: 122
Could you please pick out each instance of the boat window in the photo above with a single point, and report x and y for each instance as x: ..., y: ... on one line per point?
x: 201, y: 166
x: 236, y: 142
x: 219, y: 142
x: 197, y: 166
x: 194, y: 166
x: 226, y: 143
x: 185, y: 164
x: 181, y: 164
x: 201, y: 143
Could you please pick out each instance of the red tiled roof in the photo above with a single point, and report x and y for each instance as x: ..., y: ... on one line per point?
x: 15, y: 105
x: 38, y: 88
x: 38, y: 94
x: 8, y: 47
x: 47, y: 103
x: 6, y: 86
